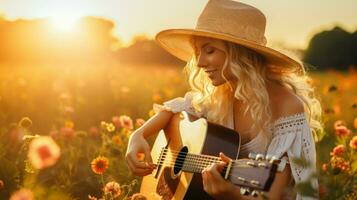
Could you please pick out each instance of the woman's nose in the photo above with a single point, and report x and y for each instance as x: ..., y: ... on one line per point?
x: 202, y: 61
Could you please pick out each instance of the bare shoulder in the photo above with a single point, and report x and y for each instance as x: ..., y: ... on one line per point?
x: 284, y: 102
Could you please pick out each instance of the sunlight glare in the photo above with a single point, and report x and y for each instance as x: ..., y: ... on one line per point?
x: 63, y: 23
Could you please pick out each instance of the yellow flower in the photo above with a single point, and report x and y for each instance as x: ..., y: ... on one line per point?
x: 43, y: 152
x: 139, y: 122
x: 110, y: 127
x: 100, y: 164
x: 353, y: 142
x: 151, y: 113
x: 69, y: 124
x: 117, y: 140
x: 107, y: 126
x: 156, y: 97
x: 112, y: 188
x: 25, y: 122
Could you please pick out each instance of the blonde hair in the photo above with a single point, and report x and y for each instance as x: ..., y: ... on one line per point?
x: 252, y: 71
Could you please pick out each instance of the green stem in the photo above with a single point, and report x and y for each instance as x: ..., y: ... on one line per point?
x: 102, y: 181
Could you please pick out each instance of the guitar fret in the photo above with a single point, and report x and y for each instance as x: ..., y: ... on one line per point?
x: 196, y: 163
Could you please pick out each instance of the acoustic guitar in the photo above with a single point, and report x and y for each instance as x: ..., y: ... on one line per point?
x: 187, y: 146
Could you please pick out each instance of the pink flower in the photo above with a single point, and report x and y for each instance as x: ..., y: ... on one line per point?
x: 112, y: 188
x: 43, y: 152
x: 68, y: 109
x: 93, y: 132
x: 339, y: 123
x: 116, y: 121
x: 22, y: 194
x: 322, y: 190
x: 339, y: 163
x: 126, y: 122
x: 138, y: 196
x: 338, y: 150
x: 342, y: 131
x: 139, y: 122
x: 353, y: 143
x: 54, y: 134
x: 67, y: 132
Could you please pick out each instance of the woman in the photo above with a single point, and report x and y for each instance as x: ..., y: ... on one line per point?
x: 240, y: 83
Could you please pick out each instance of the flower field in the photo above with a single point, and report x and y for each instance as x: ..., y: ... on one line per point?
x: 64, y: 130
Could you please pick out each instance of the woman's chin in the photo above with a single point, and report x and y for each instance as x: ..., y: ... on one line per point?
x: 217, y: 83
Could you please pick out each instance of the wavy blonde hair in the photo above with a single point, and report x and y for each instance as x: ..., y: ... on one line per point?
x: 252, y: 72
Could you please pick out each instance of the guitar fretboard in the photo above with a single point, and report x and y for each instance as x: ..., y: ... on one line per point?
x: 188, y: 162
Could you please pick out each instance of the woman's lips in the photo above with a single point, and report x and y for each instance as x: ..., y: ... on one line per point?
x: 210, y: 72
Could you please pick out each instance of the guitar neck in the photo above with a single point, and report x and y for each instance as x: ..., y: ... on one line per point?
x: 196, y: 163
x: 193, y: 163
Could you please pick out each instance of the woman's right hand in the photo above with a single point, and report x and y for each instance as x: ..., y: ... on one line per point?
x: 138, y: 145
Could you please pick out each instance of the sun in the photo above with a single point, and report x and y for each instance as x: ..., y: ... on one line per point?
x: 64, y: 23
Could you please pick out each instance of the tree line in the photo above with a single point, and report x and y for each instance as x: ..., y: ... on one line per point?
x: 33, y: 41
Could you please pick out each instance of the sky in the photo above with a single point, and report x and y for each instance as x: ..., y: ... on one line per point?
x: 289, y: 23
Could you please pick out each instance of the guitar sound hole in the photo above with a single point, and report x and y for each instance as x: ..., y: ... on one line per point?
x: 180, y: 160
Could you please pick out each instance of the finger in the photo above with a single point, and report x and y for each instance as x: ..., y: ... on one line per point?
x: 214, y: 174
x: 224, y: 158
x: 220, y: 166
x: 206, y: 182
x: 136, y: 163
x: 139, y: 171
x: 148, y: 158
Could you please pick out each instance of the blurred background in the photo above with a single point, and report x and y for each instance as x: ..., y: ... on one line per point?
x: 74, y: 64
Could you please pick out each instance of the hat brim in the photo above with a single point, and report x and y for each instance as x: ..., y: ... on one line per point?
x: 177, y: 42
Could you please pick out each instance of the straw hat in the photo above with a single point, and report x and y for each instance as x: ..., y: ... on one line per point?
x: 230, y: 21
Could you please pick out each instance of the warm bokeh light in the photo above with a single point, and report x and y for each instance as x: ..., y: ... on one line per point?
x: 63, y: 23
x: 148, y: 17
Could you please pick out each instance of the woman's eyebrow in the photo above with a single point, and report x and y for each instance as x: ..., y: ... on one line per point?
x: 196, y: 47
x: 203, y: 46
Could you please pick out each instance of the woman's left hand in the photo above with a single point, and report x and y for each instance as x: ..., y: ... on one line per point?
x: 215, y: 185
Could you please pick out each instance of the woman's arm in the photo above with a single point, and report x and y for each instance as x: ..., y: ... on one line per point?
x: 138, y: 145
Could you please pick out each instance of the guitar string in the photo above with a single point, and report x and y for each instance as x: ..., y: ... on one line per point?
x: 199, y: 160
x: 194, y: 164
x: 223, y: 171
x: 206, y: 160
x: 199, y: 169
x: 231, y: 177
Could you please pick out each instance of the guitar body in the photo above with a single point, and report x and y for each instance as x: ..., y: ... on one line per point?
x: 196, y: 137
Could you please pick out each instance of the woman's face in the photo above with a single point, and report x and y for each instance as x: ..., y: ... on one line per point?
x: 211, y: 57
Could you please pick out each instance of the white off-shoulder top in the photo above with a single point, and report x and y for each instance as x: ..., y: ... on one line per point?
x: 290, y: 135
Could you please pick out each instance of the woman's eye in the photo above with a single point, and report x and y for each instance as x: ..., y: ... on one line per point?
x: 210, y: 51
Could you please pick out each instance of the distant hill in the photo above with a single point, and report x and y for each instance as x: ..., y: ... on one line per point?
x: 144, y: 50
x: 36, y: 41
